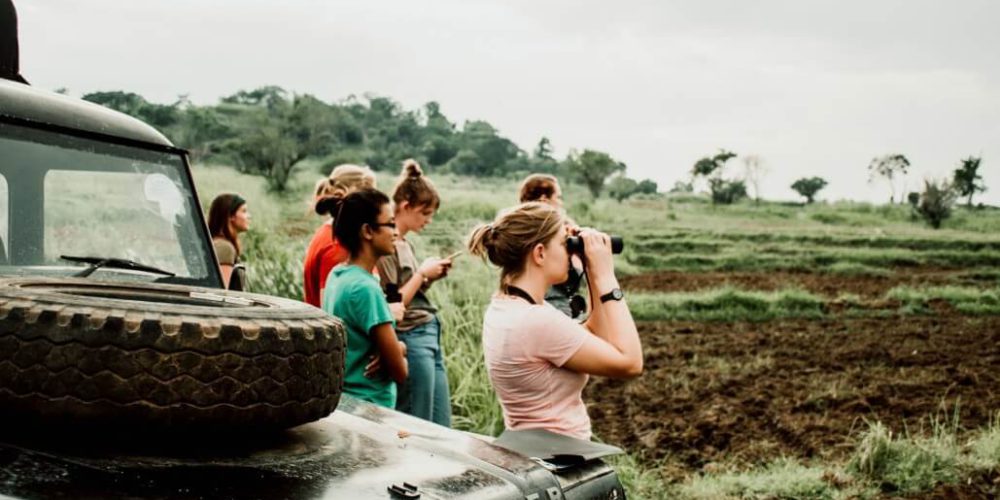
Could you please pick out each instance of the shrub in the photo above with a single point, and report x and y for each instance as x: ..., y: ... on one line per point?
x: 727, y: 192
x: 936, y: 202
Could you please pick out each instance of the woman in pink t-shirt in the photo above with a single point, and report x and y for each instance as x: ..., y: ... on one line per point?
x: 539, y: 359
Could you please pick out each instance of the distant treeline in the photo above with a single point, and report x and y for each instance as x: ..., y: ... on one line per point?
x: 268, y: 131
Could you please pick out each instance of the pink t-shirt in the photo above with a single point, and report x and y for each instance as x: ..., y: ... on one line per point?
x: 525, y: 347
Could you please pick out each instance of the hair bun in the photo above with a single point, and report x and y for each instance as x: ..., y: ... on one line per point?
x: 412, y: 169
x: 328, y: 205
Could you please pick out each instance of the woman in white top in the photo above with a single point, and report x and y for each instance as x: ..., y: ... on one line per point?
x: 539, y: 359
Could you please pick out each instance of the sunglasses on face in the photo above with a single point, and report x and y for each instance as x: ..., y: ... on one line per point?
x: 376, y: 225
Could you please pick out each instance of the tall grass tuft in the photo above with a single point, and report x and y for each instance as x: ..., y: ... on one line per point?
x: 462, y: 299
x: 274, y: 267
x: 907, y: 465
x: 985, y: 448
x: 641, y: 481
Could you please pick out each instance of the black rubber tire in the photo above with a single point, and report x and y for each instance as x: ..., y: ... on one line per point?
x: 159, y: 356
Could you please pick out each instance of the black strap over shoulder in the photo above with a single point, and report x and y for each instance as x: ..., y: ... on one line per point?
x: 517, y: 292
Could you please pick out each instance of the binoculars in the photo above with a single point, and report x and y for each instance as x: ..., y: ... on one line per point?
x: 575, y: 245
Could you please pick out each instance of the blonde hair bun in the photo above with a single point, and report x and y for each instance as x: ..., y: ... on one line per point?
x: 343, y: 180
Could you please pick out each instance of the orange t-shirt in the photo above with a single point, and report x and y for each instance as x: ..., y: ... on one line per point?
x: 323, y: 254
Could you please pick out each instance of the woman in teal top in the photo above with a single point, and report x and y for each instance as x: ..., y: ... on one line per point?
x: 376, y: 359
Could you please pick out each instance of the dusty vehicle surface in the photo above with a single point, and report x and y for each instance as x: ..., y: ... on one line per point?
x: 127, y: 371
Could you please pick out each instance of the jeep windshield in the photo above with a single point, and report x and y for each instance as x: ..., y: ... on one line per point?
x: 67, y: 195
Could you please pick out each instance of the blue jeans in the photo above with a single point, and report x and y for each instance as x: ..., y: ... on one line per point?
x: 425, y: 393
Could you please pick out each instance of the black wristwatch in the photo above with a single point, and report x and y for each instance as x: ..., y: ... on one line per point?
x: 614, y: 294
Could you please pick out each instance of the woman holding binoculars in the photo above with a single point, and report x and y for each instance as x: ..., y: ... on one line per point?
x: 538, y: 358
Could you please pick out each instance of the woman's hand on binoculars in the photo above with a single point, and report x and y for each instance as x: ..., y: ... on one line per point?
x: 597, y: 251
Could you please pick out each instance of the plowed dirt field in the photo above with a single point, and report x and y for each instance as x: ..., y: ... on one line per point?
x: 746, y: 393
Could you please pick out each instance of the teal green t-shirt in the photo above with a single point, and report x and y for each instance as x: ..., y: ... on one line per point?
x: 354, y: 295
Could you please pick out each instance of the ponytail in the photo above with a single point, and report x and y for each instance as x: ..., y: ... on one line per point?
x: 507, y: 241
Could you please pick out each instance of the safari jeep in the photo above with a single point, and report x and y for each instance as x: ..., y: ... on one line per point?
x: 127, y: 371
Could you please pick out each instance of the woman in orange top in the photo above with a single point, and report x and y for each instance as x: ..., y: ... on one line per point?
x: 324, y: 251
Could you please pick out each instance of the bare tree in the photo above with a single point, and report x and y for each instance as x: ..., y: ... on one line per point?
x: 893, y: 168
x: 754, y: 171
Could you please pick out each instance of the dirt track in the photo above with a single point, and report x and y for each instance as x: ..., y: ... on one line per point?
x: 746, y: 393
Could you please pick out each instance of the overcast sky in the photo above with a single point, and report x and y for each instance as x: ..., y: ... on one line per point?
x: 813, y: 88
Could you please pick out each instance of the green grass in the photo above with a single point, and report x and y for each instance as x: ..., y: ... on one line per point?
x: 462, y: 299
x: 967, y: 300
x: 783, y: 478
x: 855, y: 269
x: 882, y: 462
x: 791, y: 256
x: 725, y: 304
x: 728, y: 304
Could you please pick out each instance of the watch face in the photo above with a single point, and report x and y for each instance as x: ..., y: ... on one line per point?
x: 615, y: 294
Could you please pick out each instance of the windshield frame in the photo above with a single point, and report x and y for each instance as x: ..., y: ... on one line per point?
x: 213, y: 279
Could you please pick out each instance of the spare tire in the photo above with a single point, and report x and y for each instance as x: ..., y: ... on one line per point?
x: 157, y: 356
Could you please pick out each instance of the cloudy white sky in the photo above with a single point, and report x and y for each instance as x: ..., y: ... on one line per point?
x: 812, y: 87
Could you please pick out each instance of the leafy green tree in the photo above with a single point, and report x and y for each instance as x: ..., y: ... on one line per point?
x: 494, y: 151
x: 466, y: 162
x: 437, y: 123
x: 621, y: 187
x: 711, y: 168
x: 160, y: 116
x: 891, y: 167
x: 646, y: 186
x: 967, y: 181
x: 269, y: 95
x: 543, y: 150
x: 203, y: 131
x: 592, y: 169
x: 438, y: 150
x: 936, y: 202
x: 807, y: 187
x: 277, y: 133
